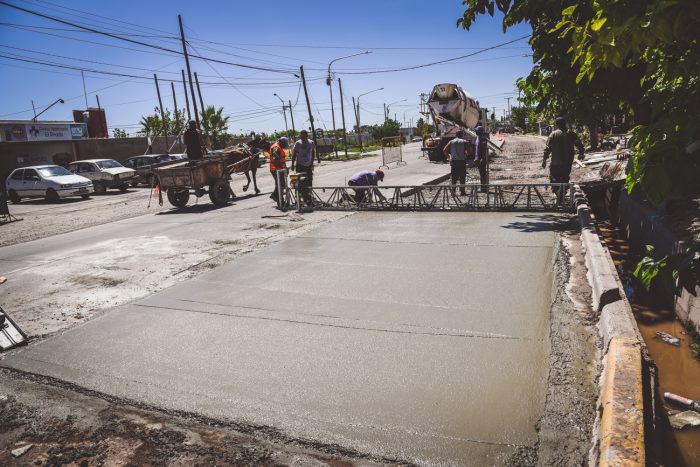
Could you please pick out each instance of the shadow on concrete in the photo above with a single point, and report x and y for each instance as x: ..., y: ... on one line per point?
x: 44, y: 202
x: 200, y: 208
x: 544, y: 223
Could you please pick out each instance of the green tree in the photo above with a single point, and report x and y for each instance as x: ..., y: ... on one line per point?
x: 424, y: 127
x: 637, y: 57
x: 119, y: 133
x: 388, y: 128
x: 153, y: 125
x: 215, y: 125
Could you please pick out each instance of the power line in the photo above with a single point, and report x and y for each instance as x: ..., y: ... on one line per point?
x: 425, y: 65
x: 138, y: 42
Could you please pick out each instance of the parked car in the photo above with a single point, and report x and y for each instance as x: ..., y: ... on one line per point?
x: 104, y: 173
x: 52, y: 182
x: 417, y: 139
x: 143, y: 165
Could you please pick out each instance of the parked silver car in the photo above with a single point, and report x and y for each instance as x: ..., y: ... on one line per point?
x: 104, y: 173
x: 52, y: 182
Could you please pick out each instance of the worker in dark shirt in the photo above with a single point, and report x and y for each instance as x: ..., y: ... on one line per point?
x: 481, y: 157
x: 560, y: 145
x: 193, y: 142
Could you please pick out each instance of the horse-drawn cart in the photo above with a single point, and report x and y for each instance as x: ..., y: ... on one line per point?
x: 177, y: 180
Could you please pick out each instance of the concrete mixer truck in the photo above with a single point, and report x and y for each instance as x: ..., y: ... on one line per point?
x: 452, y: 109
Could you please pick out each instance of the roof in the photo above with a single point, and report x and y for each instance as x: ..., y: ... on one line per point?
x: 91, y: 160
x: 37, y: 167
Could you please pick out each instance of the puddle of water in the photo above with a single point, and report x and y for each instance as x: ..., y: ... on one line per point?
x: 678, y: 370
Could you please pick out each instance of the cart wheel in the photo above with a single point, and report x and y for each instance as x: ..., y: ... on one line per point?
x: 178, y: 198
x: 220, y: 192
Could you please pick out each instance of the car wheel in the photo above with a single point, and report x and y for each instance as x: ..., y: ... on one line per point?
x: 123, y: 187
x: 135, y: 183
x: 52, y: 196
x: 85, y: 196
x: 220, y: 192
x: 14, y: 197
x: 178, y: 198
x: 100, y: 188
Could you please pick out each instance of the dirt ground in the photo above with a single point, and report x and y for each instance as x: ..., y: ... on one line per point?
x: 69, y: 426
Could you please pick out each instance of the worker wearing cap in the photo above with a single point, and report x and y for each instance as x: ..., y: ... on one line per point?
x: 456, y: 151
x: 303, y: 156
x: 481, y: 156
x: 366, y: 178
x: 560, y: 145
x: 193, y: 142
x: 278, y: 163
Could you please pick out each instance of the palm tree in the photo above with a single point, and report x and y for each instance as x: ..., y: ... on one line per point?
x: 151, y: 125
x: 215, y: 125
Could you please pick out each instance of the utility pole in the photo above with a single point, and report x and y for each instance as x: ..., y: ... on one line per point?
x: 102, y: 127
x: 342, y: 112
x: 311, y: 117
x: 187, y: 100
x: 386, y: 114
x: 284, y: 112
x: 84, y: 90
x: 291, y: 116
x: 357, y: 119
x: 162, y: 113
x: 329, y: 81
x: 34, y: 110
x: 176, y: 114
x: 189, y: 71
x: 201, y: 103
x: 508, y: 99
x: 199, y: 92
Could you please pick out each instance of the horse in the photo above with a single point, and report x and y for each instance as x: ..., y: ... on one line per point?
x: 244, y: 159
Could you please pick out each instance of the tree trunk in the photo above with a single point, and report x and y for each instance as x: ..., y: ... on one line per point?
x: 593, y: 131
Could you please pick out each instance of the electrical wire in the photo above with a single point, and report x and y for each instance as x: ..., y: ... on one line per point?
x: 139, y: 42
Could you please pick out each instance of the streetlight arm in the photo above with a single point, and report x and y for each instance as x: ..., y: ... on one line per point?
x: 328, y: 81
x: 47, y: 108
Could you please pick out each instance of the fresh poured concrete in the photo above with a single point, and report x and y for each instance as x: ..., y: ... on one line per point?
x: 419, y: 336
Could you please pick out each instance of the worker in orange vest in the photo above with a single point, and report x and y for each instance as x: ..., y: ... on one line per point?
x: 278, y: 162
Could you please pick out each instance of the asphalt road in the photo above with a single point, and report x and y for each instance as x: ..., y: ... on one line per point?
x: 420, y: 336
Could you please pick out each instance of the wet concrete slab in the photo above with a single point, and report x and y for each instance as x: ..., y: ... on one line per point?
x: 418, y: 336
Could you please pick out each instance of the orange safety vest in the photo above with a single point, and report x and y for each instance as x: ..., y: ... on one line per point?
x: 283, y: 160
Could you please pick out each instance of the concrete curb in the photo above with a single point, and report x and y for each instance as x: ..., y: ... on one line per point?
x: 621, y: 405
x: 619, y: 433
x: 600, y: 276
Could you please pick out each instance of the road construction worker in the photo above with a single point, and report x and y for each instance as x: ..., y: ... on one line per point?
x: 481, y: 156
x: 560, y: 145
x: 456, y: 152
x: 303, y: 156
x: 364, y: 179
x: 193, y: 142
x: 278, y: 163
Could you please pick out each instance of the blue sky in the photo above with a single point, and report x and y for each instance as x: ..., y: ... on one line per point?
x: 268, y: 34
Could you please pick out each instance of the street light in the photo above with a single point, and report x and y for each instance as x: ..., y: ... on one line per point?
x: 357, y: 115
x: 59, y: 100
x: 329, y: 82
x: 386, y: 108
x: 284, y: 112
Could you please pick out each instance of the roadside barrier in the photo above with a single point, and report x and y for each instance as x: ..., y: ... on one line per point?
x: 392, y: 152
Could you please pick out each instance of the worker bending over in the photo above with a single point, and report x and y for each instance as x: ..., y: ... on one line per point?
x: 366, y: 178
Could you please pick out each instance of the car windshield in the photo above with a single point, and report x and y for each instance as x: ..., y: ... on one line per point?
x: 163, y: 158
x: 108, y: 164
x: 53, y: 171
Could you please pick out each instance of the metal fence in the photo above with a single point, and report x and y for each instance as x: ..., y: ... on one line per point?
x: 476, y: 197
x: 391, y: 151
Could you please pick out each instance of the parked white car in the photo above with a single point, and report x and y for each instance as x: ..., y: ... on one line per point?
x: 52, y: 182
x: 104, y: 173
